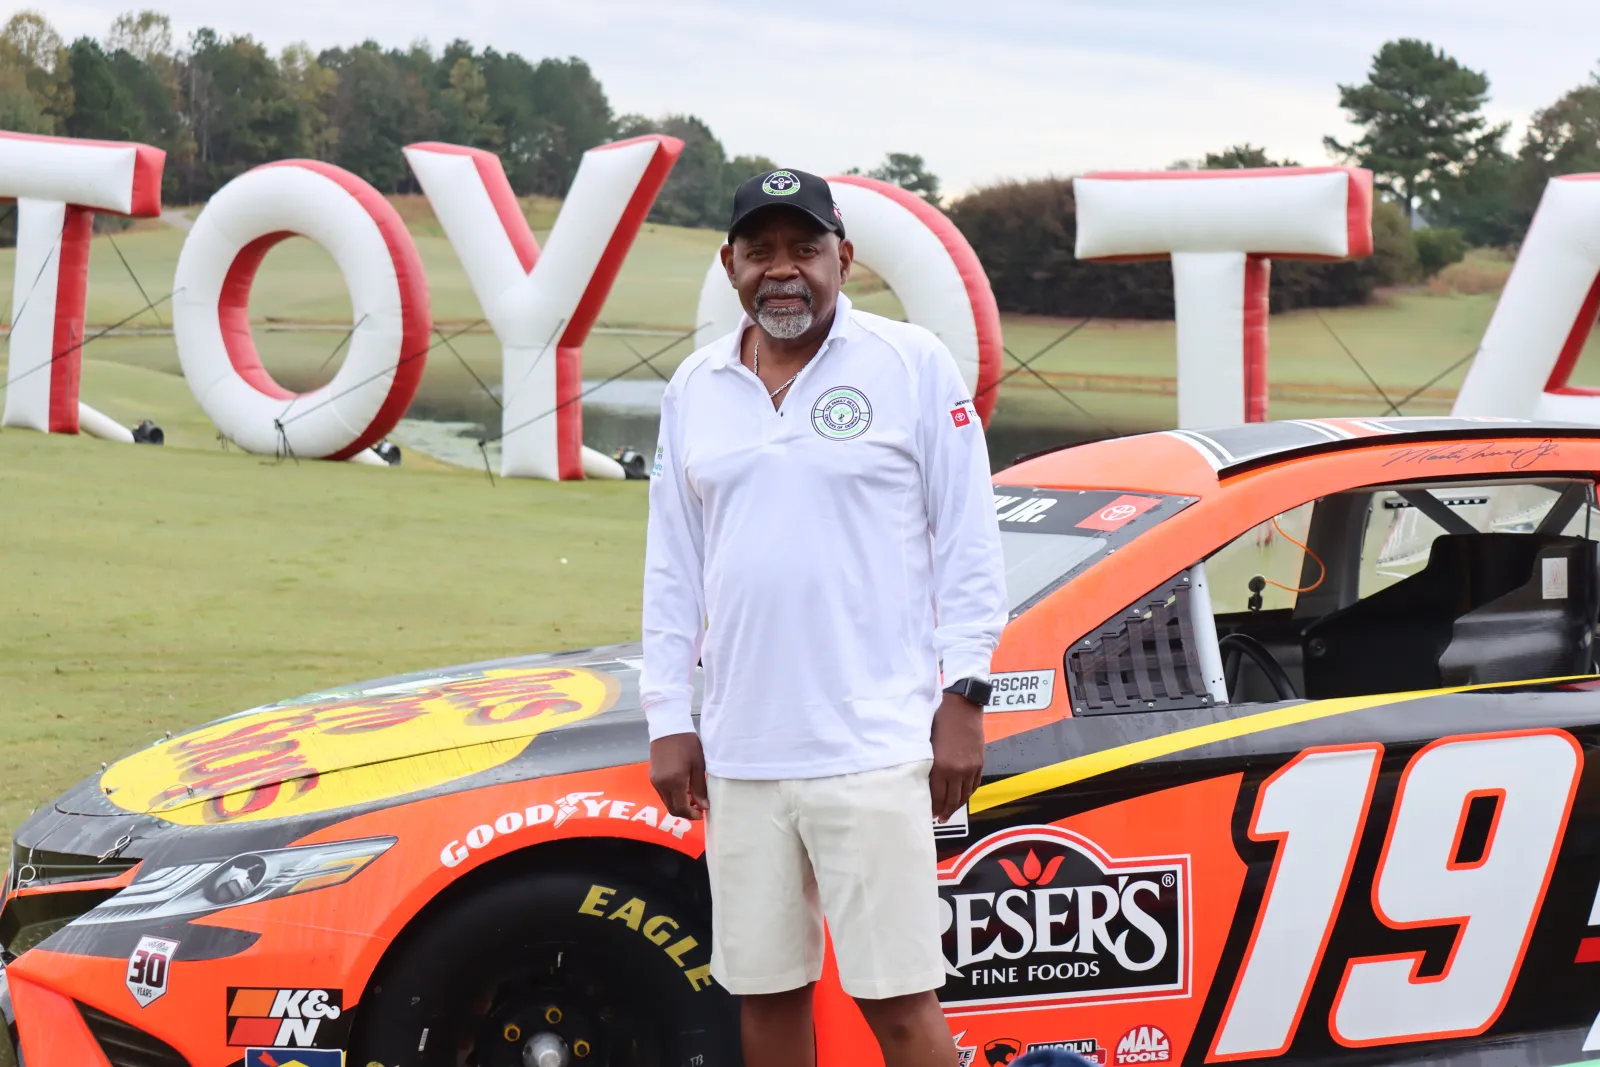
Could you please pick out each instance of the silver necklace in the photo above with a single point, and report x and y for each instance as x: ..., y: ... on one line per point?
x: 755, y: 361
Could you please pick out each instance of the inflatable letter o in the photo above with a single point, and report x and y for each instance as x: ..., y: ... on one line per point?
x: 919, y: 252
x: 388, y: 295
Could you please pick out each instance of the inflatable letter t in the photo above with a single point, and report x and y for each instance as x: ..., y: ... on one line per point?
x: 1221, y: 227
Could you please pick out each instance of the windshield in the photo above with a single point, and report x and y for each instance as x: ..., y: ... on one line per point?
x: 1049, y: 535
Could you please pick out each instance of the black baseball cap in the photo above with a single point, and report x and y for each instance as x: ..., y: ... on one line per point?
x: 786, y: 188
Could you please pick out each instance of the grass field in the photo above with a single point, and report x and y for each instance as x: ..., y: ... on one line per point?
x: 148, y: 590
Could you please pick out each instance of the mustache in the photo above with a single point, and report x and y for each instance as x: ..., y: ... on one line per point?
x: 770, y: 289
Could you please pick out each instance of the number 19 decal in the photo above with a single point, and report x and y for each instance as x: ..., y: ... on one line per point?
x: 1315, y: 808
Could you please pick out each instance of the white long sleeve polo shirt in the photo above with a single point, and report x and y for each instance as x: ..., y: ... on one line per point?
x: 822, y: 560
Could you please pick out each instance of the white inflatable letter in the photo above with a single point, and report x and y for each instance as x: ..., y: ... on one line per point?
x: 1221, y: 228
x: 58, y: 184
x: 542, y: 305
x: 1544, y: 315
x: 388, y: 295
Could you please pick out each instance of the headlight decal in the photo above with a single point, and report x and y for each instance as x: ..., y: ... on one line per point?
x: 248, y: 878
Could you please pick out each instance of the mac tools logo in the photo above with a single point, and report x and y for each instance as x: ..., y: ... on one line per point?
x: 1038, y: 914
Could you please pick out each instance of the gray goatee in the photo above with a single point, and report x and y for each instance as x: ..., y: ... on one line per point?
x: 784, y: 323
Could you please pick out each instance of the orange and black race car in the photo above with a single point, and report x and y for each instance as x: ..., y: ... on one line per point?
x: 1287, y: 760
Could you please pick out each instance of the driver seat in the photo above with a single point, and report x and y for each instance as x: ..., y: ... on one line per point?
x: 1488, y: 607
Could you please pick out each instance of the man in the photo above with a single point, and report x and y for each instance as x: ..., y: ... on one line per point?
x: 823, y: 567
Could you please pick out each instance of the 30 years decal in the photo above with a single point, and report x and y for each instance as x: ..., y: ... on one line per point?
x: 300, y: 759
x: 149, y: 967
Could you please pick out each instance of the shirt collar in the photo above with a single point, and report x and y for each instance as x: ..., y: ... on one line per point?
x: 842, y: 322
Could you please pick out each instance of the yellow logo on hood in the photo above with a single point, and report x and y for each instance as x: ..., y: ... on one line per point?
x: 343, y: 751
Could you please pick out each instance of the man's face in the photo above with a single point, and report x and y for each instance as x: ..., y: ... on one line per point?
x: 787, y: 270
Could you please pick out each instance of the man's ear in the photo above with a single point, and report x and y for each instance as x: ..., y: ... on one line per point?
x: 727, y: 264
x: 847, y: 256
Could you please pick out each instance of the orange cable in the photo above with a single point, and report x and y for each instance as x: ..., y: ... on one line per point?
x: 1320, y: 565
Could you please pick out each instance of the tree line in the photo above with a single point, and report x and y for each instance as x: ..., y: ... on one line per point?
x: 221, y: 105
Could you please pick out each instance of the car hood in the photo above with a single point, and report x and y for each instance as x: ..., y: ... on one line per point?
x: 370, y: 743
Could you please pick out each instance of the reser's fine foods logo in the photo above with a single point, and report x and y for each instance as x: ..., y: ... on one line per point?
x: 1038, y: 914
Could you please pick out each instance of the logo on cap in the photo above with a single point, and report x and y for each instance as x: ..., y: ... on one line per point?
x: 780, y: 183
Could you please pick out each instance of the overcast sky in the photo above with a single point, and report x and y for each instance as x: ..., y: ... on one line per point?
x: 983, y: 89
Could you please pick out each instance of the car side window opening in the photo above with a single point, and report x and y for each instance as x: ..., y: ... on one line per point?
x: 1389, y: 588
x: 1274, y: 552
x: 1414, y: 586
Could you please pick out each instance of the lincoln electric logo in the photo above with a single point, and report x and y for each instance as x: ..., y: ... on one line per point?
x: 1041, y: 914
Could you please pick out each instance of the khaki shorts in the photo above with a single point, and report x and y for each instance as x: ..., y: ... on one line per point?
x: 856, y: 848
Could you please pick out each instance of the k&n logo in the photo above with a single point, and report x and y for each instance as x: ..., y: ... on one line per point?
x: 286, y: 1018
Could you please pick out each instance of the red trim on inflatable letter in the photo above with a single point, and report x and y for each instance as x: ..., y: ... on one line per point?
x: 1257, y: 279
x: 233, y: 313
x: 148, y: 163
x: 504, y: 199
x: 1258, y: 214
x: 416, y: 318
x: 559, y: 452
x: 77, y: 177
x: 1359, y: 212
x: 72, y: 292
x: 378, y: 259
x: 668, y: 149
x: 985, y: 312
x: 1358, y: 206
x: 1570, y: 351
x: 569, y: 353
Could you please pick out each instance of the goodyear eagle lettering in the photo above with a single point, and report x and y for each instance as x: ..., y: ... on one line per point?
x: 585, y: 805
x: 660, y: 930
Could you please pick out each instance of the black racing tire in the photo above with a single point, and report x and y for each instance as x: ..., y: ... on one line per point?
x: 621, y: 960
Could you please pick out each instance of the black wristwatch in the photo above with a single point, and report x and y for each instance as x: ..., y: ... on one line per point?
x: 972, y: 690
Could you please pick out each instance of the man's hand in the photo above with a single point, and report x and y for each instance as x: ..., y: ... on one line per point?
x: 957, y: 754
x: 678, y: 771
